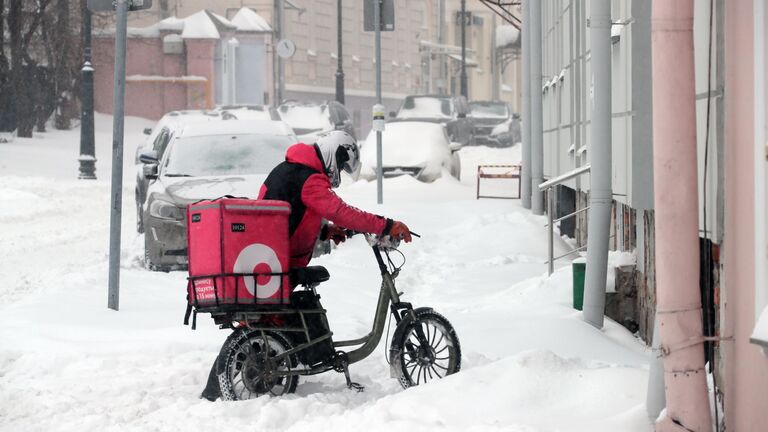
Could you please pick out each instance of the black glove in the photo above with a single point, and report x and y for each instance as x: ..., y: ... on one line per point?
x: 333, y: 232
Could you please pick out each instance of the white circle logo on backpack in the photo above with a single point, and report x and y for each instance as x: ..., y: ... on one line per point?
x: 259, y: 258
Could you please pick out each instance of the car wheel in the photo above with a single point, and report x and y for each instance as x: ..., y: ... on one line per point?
x: 456, y: 166
x: 148, y: 264
x: 139, y: 216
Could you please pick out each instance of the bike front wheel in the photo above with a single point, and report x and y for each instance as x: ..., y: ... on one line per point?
x: 251, y: 365
x: 425, y: 349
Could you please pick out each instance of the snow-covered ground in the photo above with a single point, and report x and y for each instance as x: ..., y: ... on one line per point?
x: 69, y: 363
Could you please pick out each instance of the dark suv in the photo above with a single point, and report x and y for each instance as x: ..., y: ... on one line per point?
x: 452, y: 111
x: 486, y: 117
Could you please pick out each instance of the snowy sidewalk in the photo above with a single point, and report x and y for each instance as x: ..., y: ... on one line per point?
x: 68, y: 363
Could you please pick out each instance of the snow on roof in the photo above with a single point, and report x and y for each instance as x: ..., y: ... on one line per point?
x: 246, y: 19
x: 507, y: 36
x: 152, y: 31
x: 200, y: 26
x: 172, y: 24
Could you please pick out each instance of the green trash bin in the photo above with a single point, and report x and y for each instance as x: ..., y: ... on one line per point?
x: 579, y: 270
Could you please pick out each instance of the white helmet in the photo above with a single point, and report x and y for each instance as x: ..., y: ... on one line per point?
x: 338, y: 150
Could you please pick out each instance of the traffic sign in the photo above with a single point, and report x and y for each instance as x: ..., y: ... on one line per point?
x: 387, y: 15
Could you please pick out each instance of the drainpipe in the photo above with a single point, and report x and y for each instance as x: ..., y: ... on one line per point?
x: 654, y: 400
x: 600, y: 189
x: 525, y: 177
x: 536, y: 132
x: 678, y: 304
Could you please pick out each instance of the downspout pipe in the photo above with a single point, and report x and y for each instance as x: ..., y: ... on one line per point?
x: 536, y: 132
x: 678, y: 305
x: 525, y: 177
x: 600, y: 189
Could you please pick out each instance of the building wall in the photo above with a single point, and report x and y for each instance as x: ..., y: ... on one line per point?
x: 310, y: 73
x: 745, y: 365
x: 567, y: 87
x: 145, y: 57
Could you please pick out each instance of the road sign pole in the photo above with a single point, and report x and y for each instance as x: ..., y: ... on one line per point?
x: 379, y: 173
x: 339, y: 50
x: 117, y: 155
x: 463, y: 75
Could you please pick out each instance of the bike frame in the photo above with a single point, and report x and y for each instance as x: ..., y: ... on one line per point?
x: 388, y: 302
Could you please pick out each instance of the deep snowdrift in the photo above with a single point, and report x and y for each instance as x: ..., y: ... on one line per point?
x: 69, y: 363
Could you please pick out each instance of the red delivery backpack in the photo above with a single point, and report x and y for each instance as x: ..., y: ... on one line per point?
x: 238, y: 253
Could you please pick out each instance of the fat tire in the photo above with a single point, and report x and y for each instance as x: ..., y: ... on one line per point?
x: 401, y: 336
x: 230, y: 349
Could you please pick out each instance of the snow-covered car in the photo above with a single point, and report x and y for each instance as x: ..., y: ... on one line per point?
x: 451, y: 111
x: 310, y: 119
x: 485, y: 117
x: 249, y: 112
x: 172, y: 122
x: 157, y: 141
x: 418, y: 149
x: 205, y: 161
x: 506, y: 134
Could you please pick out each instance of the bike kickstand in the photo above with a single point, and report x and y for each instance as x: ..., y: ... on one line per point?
x: 352, y: 385
x: 341, y: 364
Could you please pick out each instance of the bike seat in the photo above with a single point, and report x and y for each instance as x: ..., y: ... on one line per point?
x: 311, y: 275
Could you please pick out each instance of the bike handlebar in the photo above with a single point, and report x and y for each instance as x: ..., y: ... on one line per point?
x: 351, y: 233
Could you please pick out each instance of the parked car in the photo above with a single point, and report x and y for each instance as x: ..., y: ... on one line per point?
x: 485, y: 117
x: 452, y: 111
x: 159, y: 137
x: 506, y: 134
x: 310, y: 119
x: 418, y: 149
x: 205, y: 161
x: 249, y: 112
x: 157, y: 140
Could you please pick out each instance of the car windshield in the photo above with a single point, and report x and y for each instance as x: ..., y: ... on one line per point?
x: 426, y: 107
x: 489, y: 110
x: 306, y: 117
x: 225, y: 155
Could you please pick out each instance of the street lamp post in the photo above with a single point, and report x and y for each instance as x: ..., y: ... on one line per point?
x: 87, y: 157
x: 339, y: 67
x: 463, y: 78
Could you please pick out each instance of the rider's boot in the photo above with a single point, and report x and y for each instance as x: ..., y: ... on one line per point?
x: 212, y: 390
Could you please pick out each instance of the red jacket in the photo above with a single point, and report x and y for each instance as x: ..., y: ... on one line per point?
x: 302, y: 182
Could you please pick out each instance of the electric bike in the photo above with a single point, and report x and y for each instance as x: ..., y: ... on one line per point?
x: 271, y: 346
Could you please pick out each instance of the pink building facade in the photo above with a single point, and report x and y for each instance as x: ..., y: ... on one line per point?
x: 744, y: 353
x: 190, y: 63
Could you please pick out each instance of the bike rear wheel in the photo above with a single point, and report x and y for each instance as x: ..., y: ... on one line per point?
x: 248, y: 367
x: 431, y: 355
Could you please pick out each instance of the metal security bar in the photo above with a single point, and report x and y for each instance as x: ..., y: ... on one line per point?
x: 549, y: 186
